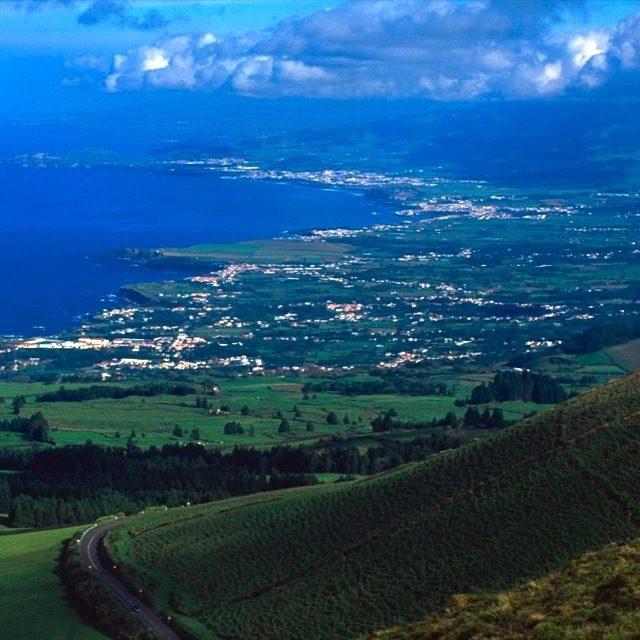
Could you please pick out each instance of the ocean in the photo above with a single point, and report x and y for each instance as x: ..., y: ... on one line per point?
x: 55, y: 221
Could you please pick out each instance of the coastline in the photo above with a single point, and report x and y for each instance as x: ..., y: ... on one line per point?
x: 161, y: 272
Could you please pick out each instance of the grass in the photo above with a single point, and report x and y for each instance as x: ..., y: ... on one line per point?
x: 339, y: 560
x: 154, y: 418
x: 32, y: 600
x: 265, y: 251
x: 626, y: 356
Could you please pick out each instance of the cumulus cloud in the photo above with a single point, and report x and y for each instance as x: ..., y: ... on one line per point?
x: 442, y: 49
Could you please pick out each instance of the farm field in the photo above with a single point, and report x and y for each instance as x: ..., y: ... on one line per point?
x: 31, y: 596
x: 260, y: 252
x: 340, y: 560
x: 258, y: 404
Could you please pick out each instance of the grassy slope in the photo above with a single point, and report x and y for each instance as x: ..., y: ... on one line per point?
x: 342, y: 560
x: 596, y: 597
x: 32, y: 602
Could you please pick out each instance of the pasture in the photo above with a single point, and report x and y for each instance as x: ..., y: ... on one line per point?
x: 32, y: 599
x: 258, y: 405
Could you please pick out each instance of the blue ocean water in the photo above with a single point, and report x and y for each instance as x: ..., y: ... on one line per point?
x: 54, y: 219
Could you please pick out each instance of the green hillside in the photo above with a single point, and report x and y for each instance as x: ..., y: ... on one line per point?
x: 596, y: 597
x: 342, y: 560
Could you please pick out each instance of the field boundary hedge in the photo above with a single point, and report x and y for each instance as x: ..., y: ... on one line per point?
x: 93, y: 602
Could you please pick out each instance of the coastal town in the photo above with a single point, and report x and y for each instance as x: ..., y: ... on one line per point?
x: 454, y: 278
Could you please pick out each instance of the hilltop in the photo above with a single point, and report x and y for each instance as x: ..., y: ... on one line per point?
x: 342, y: 560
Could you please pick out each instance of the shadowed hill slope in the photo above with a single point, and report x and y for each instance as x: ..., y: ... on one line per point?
x: 596, y: 597
x: 340, y: 561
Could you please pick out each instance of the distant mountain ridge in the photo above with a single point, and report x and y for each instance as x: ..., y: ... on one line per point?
x: 343, y: 560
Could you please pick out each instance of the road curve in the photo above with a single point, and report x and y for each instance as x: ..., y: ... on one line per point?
x: 89, y: 543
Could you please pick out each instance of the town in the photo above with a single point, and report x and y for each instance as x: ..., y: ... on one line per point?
x: 475, y: 279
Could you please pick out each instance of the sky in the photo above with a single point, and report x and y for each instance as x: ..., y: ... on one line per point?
x: 55, y: 53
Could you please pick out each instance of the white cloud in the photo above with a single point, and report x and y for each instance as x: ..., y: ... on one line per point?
x: 400, y: 48
x: 585, y: 47
x: 153, y: 59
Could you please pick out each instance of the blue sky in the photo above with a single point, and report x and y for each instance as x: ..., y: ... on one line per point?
x: 57, y: 51
x: 107, y: 26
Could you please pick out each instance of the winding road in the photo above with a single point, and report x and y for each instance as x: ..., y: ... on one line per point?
x: 89, y: 544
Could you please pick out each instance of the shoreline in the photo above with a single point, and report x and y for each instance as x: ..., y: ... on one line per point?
x: 139, y: 256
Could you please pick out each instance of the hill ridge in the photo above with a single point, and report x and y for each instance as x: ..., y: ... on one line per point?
x: 332, y: 562
x: 431, y: 511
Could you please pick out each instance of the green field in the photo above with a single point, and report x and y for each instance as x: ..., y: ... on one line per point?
x: 265, y: 251
x: 340, y: 560
x: 264, y: 400
x: 32, y: 600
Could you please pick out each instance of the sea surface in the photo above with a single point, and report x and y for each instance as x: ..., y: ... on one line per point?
x: 56, y: 220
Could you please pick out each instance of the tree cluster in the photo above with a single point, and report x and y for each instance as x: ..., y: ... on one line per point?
x: 516, y: 384
x: 601, y: 336
x: 98, y: 391
x: 93, y: 601
x: 80, y: 483
x: 35, y: 428
x: 386, y: 383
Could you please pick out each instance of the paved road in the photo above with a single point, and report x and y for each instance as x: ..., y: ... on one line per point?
x: 89, y: 555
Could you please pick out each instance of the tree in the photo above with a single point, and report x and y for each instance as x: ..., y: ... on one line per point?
x: 332, y: 418
x: 284, y: 426
x: 202, y: 403
x: 195, y: 434
x: 233, y: 428
x: 497, y: 420
x: 471, y: 417
x: 5, y: 495
x: 451, y: 420
x: 310, y: 426
x: 17, y: 403
x: 177, y: 431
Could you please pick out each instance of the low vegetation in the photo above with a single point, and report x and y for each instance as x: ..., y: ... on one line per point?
x: 595, y: 597
x: 93, y: 600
